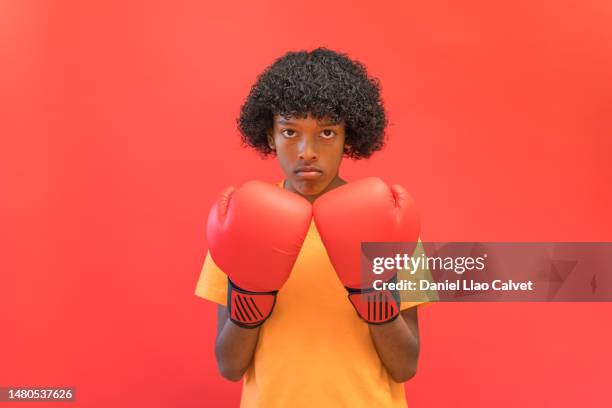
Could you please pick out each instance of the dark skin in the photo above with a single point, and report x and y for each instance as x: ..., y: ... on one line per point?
x: 310, y: 152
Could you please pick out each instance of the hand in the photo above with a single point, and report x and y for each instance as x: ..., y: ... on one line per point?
x: 366, y: 211
x: 255, y: 233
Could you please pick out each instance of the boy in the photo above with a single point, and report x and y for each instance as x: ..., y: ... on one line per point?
x: 310, y: 347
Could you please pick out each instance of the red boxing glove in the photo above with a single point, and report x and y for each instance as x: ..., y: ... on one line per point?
x: 254, y: 234
x: 366, y: 211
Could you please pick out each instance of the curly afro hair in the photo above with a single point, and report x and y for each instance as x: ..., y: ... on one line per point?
x: 324, y: 83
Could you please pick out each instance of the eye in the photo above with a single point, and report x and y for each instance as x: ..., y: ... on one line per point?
x: 328, y: 134
x: 288, y: 133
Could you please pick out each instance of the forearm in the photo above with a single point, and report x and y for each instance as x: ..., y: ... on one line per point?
x: 234, y: 350
x: 397, y: 345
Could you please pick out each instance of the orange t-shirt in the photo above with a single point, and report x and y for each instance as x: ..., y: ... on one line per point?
x: 314, y: 350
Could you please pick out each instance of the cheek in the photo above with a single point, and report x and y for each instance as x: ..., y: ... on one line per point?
x: 286, y: 153
x: 331, y: 158
x: 340, y: 143
x: 337, y: 150
x: 285, y: 147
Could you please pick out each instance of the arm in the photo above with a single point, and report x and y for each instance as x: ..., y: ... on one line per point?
x: 397, y: 344
x: 370, y: 211
x: 254, y: 234
x: 235, y: 346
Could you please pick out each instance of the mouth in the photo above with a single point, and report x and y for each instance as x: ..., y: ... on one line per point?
x: 308, y: 172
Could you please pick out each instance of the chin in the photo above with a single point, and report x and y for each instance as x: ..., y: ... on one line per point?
x: 307, y: 188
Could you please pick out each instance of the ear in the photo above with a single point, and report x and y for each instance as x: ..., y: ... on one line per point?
x: 271, y: 140
x: 347, y: 148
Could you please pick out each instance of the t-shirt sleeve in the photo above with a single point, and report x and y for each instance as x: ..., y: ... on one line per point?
x: 212, y: 284
x: 418, y: 298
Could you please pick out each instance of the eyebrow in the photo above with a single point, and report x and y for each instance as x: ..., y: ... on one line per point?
x: 290, y: 122
x: 328, y: 123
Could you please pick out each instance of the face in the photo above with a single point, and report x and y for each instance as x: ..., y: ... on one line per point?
x: 310, y: 152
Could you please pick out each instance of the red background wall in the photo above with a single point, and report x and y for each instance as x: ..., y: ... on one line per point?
x: 117, y: 129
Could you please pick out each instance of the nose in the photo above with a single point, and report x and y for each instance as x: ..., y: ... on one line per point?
x: 307, y: 150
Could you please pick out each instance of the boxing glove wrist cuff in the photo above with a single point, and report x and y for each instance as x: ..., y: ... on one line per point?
x: 375, y: 306
x: 249, y: 309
